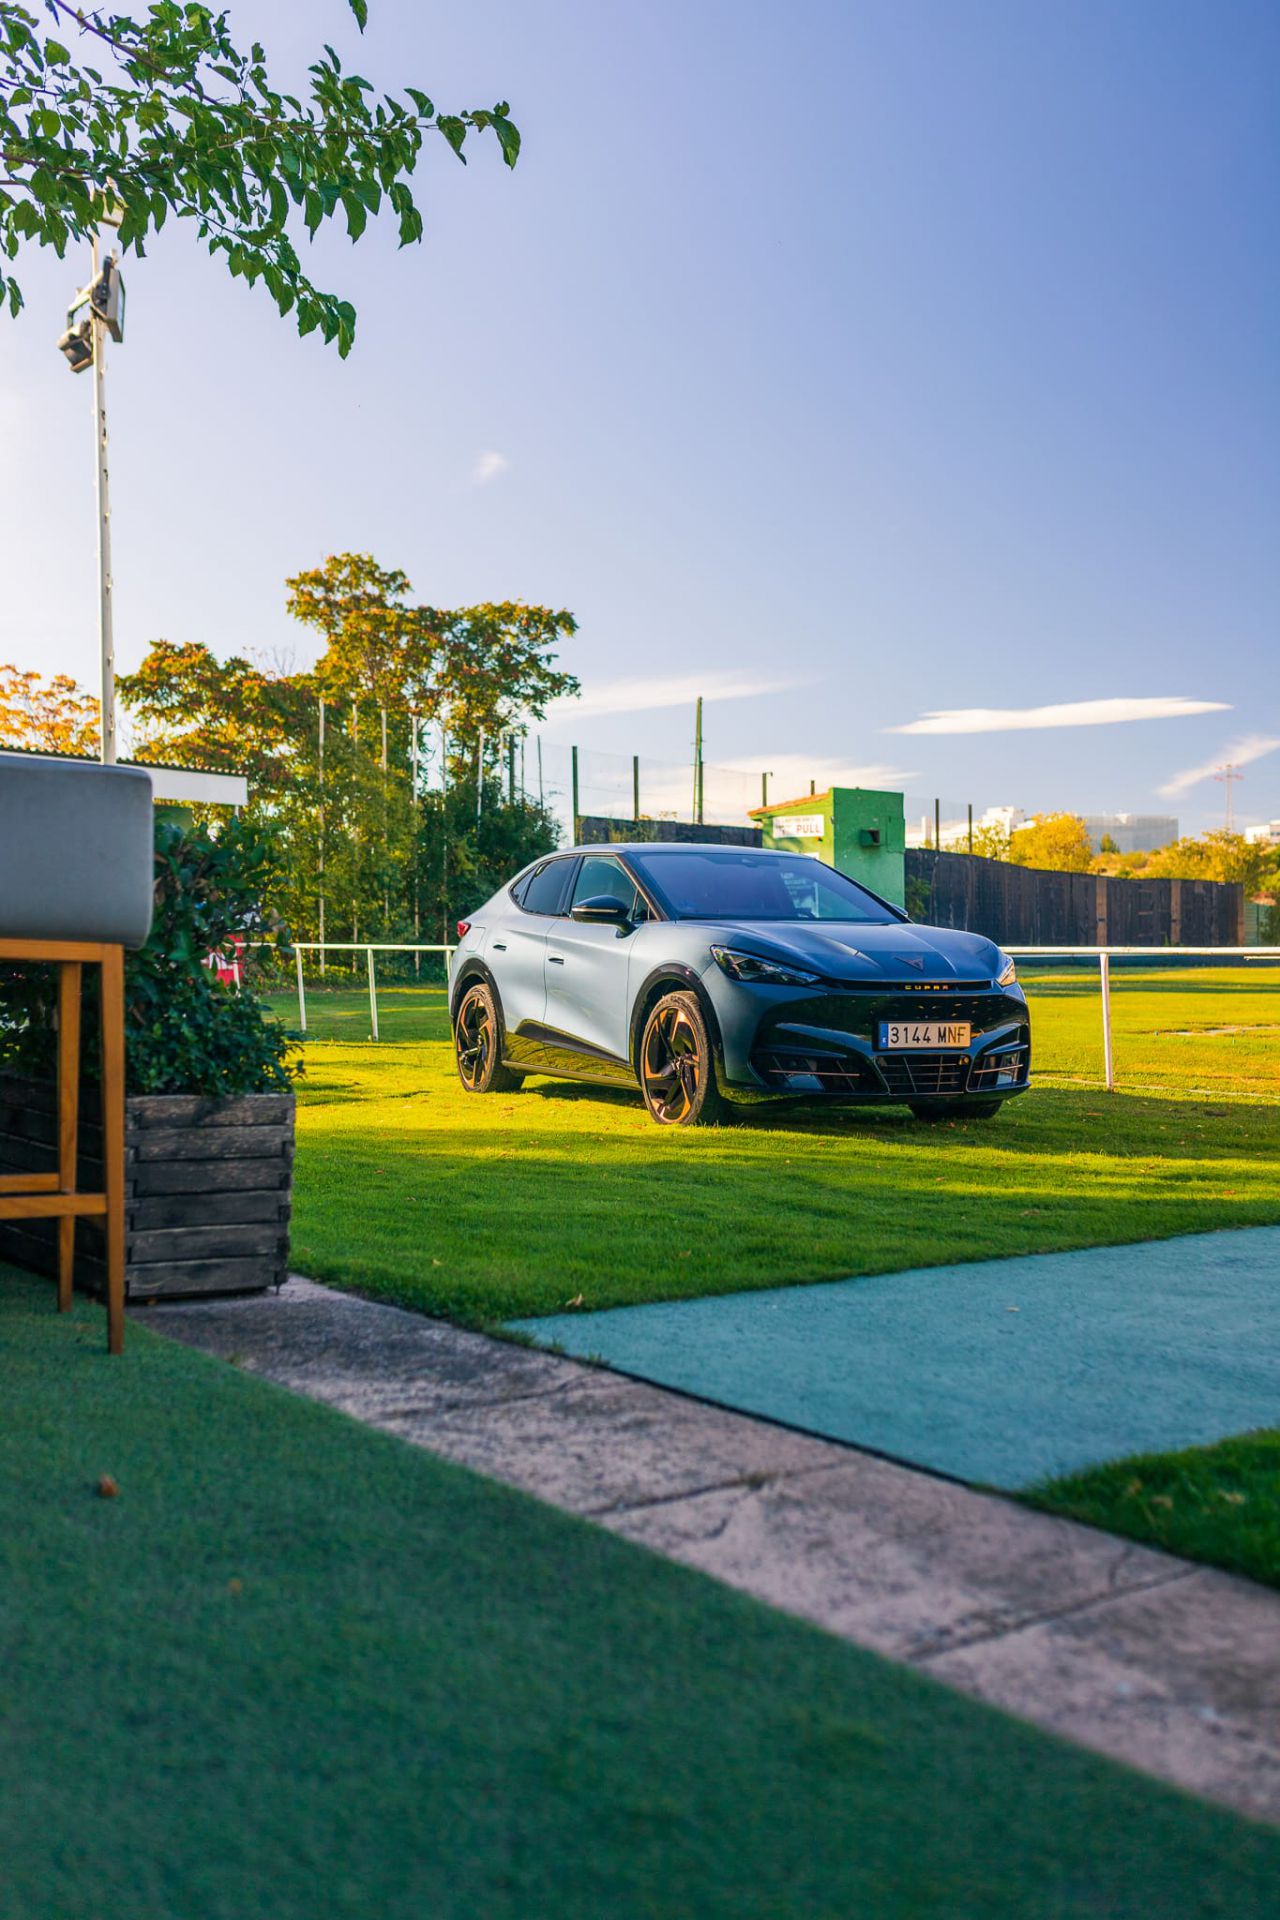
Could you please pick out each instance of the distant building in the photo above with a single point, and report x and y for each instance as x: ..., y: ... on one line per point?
x: 1131, y: 832
x: 1267, y: 835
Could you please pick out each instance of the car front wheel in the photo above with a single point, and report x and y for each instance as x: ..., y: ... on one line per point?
x: 677, y: 1073
x: 477, y: 1041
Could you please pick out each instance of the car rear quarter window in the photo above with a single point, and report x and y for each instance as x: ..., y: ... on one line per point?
x: 541, y: 891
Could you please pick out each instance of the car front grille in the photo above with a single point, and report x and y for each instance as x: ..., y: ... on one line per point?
x: 1005, y: 1066
x: 923, y: 1073
x: 796, y: 1072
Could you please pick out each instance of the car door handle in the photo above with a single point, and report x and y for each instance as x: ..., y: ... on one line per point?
x: 555, y: 959
x: 499, y: 946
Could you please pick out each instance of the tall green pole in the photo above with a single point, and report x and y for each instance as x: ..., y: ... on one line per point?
x: 971, y: 826
x: 574, y: 753
x: 635, y: 786
x: 697, y: 763
x: 937, y: 825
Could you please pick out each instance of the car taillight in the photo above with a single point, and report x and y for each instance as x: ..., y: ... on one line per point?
x: 464, y: 928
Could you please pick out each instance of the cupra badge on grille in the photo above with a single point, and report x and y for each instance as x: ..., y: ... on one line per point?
x: 911, y: 960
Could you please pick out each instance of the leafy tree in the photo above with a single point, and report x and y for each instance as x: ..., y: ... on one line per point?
x: 330, y: 753
x: 1108, y: 844
x: 51, y: 715
x: 1218, y: 856
x: 1056, y: 841
x: 991, y: 841
x: 178, y: 119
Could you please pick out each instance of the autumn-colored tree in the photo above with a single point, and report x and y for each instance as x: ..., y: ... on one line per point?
x: 1056, y: 841
x: 51, y: 715
x: 1218, y: 856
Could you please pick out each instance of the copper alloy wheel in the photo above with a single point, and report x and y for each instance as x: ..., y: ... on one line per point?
x: 475, y: 1039
x: 673, y: 1065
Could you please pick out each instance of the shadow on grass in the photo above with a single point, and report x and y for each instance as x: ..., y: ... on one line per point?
x: 527, y: 1206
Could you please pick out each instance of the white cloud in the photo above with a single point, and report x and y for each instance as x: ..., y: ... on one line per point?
x: 487, y: 467
x: 1074, y: 713
x: 673, y: 690
x: 1238, y: 755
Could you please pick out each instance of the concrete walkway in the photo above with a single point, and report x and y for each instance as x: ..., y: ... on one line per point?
x: 1170, y: 1667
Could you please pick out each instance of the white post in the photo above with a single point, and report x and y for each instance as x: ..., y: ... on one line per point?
x: 106, y: 626
x: 373, y: 996
x: 302, y: 992
x: 1104, y: 972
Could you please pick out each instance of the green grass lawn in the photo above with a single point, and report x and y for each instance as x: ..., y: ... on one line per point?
x: 298, y: 1667
x: 520, y: 1204
x: 1220, y: 1503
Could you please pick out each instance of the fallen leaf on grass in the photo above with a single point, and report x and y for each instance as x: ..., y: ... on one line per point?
x: 578, y: 1300
x: 107, y: 1488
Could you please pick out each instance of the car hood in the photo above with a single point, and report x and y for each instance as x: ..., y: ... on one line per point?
x: 858, y: 951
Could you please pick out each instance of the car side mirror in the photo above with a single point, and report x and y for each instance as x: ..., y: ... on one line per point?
x: 602, y: 910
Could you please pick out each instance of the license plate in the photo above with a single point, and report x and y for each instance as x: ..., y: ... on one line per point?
x: 900, y: 1036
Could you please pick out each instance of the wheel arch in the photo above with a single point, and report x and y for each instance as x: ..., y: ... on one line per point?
x: 673, y: 977
x: 472, y: 969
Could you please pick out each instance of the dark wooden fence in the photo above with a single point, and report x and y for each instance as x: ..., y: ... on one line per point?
x: 595, y: 830
x: 1022, y: 906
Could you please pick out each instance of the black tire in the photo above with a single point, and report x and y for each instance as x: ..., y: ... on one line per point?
x: 477, y: 1043
x: 955, y: 1109
x: 677, y: 1068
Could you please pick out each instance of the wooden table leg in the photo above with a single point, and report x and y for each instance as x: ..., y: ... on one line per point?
x: 113, y: 1137
x: 70, y: 976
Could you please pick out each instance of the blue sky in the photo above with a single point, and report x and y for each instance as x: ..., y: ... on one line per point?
x: 853, y: 362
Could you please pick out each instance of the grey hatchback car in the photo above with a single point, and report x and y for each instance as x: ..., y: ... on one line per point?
x: 713, y: 978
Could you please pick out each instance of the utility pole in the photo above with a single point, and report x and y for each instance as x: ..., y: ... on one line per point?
x: 1228, y: 776
x: 106, y: 611
x: 84, y: 345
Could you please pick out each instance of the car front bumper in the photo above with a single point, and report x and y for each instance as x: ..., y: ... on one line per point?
x: 807, y: 1042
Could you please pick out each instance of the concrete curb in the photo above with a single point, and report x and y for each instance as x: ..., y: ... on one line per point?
x: 1170, y: 1667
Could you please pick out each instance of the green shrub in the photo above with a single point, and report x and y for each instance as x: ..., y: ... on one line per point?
x: 185, y: 1032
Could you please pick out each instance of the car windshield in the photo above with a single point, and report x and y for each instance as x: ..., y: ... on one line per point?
x: 753, y: 886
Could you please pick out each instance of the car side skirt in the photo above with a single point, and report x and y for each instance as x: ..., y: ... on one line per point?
x: 534, y: 1048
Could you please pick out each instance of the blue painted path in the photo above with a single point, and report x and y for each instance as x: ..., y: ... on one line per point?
x: 999, y: 1371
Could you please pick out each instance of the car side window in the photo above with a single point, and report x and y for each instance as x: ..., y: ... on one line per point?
x: 598, y: 877
x: 541, y: 892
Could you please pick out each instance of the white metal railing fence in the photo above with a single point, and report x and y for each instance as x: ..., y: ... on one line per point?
x: 368, y: 948
x: 1104, y: 957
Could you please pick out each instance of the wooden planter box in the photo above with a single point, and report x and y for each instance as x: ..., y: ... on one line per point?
x: 207, y: 1189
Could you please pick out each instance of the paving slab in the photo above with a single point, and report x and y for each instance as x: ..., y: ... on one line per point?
x: 1000, y: 1372
x: 1170, y: 1667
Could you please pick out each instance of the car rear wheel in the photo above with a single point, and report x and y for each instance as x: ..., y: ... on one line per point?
x: 477, y: 1042
x: 955, y: 1109
x: 677, y: 1073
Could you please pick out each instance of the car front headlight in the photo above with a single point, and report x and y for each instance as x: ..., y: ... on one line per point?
x: 1008, y: 973
x: 756, y: 971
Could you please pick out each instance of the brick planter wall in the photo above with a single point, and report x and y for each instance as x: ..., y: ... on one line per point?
x: 207, y: 1189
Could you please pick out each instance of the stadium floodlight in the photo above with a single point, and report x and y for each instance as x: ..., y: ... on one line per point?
x: 77, y: 343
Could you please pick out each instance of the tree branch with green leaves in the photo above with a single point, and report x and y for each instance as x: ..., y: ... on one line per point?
x: 178, y: 120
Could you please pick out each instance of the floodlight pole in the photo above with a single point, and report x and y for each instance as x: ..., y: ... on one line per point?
x: 106, y: 620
